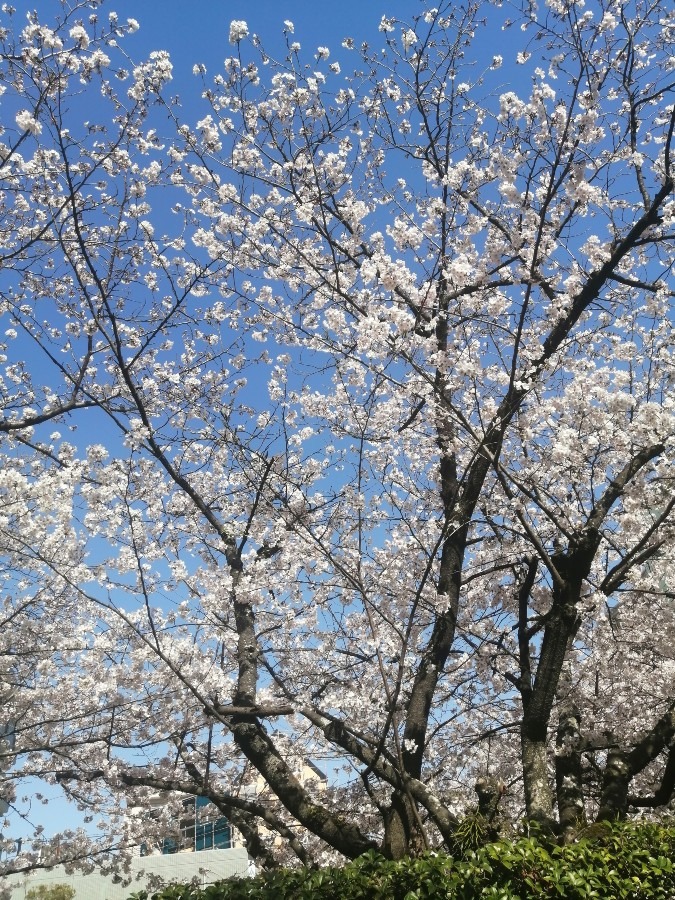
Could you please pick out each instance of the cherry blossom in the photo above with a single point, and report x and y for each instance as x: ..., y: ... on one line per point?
x: 338, y: 425
x: 238, y: 30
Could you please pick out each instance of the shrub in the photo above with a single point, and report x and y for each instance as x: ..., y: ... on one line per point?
x: 623, y: 862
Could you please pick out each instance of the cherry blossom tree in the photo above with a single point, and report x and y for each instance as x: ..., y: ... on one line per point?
x: 339, y: 424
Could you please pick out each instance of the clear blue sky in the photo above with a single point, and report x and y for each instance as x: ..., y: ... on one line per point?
x: 197, y: 30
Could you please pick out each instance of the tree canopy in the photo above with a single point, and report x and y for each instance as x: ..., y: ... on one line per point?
x: 338, y: 424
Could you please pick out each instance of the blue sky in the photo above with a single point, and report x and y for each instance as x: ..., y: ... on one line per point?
x: 197, y: 31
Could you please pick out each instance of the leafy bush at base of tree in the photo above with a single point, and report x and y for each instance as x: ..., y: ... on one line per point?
x: 626, y: 862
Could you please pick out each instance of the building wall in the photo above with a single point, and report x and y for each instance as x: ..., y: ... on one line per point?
x: 207, y: 865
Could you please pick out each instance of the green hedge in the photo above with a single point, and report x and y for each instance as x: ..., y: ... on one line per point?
x: 627, y: 862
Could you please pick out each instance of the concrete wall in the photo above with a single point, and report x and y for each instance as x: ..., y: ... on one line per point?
x: 215, y: 864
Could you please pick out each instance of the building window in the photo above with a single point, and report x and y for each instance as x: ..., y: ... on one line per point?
x: 201, y: 828
x: 213, y: 835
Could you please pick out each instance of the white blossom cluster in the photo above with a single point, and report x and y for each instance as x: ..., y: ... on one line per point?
x: 238, y: 31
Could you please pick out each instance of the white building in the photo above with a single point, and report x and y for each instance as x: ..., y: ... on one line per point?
x: 206, y: 866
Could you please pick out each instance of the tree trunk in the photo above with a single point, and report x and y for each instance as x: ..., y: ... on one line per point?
x: 614, y: 797
x: 569, y: 789
x: 538, y: 794
x: 538, y: 698
x: 402, y: 832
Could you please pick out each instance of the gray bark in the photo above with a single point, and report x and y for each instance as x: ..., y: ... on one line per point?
x: 538, y: 793
x: 568, y: 771
x: 623, y: 765
x: 402, y: 834
x: 616, y: 779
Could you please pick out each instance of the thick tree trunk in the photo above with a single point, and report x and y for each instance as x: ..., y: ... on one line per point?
x: 402, y: 833
x: 538, y: 698
x: 615, y: 783
x: 538, y: 794
x: 435, y: 655
x: 568, y: 772
x: 537, y: 706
